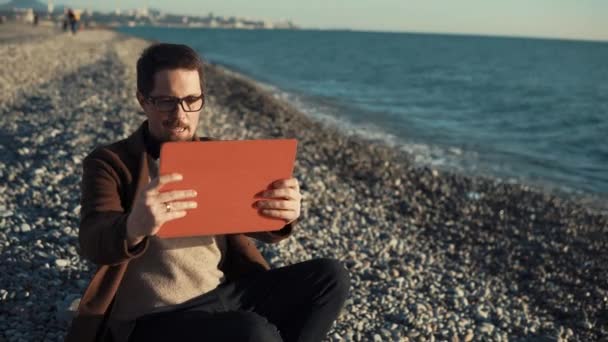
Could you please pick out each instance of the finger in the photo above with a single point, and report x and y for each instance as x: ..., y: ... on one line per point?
x: 284, y: 205
x: 286, y: 183
x: 164, y: 179
x: 287, y: 215
x: 286, y: 193
x: 174, y: 195
x: 179, y: 206
x: 173, y: 215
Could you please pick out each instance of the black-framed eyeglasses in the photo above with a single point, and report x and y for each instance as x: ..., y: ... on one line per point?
x: 169, y: 103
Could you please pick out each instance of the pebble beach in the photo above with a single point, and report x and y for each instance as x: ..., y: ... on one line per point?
x: 433, y: 255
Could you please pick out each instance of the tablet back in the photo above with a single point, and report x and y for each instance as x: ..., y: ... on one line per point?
x: 228, y: 177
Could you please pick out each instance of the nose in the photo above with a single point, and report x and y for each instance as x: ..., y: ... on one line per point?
x: 178, y: 113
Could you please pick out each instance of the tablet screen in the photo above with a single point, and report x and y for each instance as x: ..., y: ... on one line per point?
x: 228, y: 177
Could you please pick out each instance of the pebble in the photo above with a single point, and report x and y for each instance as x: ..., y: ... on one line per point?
x: 62, y: 262
x: 482, y: 312
x: 25, y: 228
x: 487, y: 328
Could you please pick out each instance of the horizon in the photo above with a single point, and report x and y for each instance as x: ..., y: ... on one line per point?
x: 544, y: 19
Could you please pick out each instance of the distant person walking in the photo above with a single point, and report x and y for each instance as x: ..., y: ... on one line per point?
x: 72, y: 20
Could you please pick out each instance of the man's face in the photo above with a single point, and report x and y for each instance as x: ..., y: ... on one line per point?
x: 175, y: 125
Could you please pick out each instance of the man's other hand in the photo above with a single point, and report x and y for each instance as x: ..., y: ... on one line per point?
x: 282, y: 200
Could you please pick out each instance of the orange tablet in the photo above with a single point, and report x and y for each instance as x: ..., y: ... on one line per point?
x: 228, y: 177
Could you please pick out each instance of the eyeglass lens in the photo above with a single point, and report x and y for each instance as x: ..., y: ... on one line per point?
x: 189, y: 104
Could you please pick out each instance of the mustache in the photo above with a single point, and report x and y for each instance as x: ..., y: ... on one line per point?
x: 175, y: 124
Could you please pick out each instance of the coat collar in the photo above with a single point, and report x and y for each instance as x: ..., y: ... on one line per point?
x: 137, y: 149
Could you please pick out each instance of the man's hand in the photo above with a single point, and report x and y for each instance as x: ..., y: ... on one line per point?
x: 283, y: 200
x: 153, y: 208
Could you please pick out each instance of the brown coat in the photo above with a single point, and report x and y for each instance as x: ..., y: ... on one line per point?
x: 112, y: 178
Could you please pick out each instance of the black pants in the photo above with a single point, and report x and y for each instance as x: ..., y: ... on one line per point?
x: 298, y: 302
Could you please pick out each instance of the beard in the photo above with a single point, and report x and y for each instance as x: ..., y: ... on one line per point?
x: 176, y: 131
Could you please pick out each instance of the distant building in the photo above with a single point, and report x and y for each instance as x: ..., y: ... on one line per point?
x: 284, y: 24
x: 142, y: 12
x: 134, y: 17
x: 28, y: 17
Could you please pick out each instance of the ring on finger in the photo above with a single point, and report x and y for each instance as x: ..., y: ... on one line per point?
x: 168, y: 206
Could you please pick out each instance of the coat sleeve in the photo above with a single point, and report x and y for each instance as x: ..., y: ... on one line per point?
x: 276, y: 235
x: 242, y: 257
x: 103, y: 219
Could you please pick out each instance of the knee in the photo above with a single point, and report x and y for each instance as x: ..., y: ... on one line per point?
x: 255, y: 328
x: 336, y: 274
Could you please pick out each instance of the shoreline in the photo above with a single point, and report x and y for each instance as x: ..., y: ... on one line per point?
x: 597, y: 202
x: 431, y: 254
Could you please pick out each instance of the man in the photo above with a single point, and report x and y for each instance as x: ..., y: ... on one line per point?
x: 73, y: 20
x: 213, y: 288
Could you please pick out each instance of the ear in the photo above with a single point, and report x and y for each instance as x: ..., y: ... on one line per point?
x: 142, y: 101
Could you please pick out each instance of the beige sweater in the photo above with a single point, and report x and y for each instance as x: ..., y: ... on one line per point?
x: 170, y: 272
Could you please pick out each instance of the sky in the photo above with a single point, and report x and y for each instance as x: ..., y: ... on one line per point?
x: 572, y: 19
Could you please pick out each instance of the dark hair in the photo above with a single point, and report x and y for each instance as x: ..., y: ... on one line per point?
x: 163, y: 56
